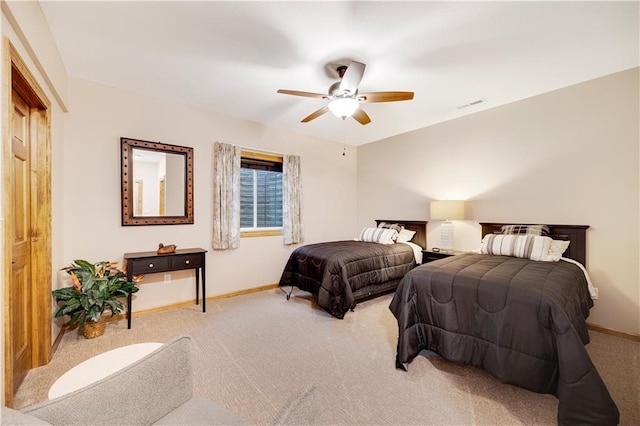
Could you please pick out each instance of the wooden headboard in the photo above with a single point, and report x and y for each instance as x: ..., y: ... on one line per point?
x: 419, y: 226
x: 577, y: 234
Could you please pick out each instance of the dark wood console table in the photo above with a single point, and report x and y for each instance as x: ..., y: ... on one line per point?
x: 149, y: 262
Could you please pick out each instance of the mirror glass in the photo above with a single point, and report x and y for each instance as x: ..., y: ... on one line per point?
x: 157, y: 183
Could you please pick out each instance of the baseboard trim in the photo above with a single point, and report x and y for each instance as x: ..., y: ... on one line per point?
x: 168, y: 308
x: 622, y: 334
x: 209, y: 299
x: 57, y: 340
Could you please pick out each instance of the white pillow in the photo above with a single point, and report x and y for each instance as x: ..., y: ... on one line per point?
x: 378, y: 235
x: 556, y: 250
x: 405, y: 235
x: 532, y: 247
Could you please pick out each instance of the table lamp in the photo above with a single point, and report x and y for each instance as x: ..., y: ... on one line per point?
x: 447, y: 210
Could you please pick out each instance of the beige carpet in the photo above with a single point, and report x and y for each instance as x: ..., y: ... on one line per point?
x: 275, y: 361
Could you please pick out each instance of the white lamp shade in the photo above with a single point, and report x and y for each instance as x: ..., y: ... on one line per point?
x: 447, y: 210
x: 343, y: 107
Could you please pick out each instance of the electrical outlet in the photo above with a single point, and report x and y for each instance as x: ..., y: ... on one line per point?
x: 167, y: 278
x: 596, y: 291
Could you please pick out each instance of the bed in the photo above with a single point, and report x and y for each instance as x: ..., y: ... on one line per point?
x: 521, y: 320
x: 341, y: 273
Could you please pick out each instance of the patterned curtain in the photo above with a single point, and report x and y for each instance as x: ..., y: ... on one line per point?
x: 226, y: 196
x: 291, y: 200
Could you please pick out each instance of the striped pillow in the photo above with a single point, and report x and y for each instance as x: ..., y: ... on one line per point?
x: 391, y: 226
x: 526, y: 229
x: 378, y: 235
x: 532, y: 247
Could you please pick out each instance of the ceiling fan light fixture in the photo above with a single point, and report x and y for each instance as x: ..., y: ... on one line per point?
x: 343, y: 107
x: 344, y: 97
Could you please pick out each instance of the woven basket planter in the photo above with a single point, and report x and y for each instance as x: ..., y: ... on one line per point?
x: 93, y: 329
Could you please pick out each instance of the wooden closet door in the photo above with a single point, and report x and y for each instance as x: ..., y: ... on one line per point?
x: 20, y: 285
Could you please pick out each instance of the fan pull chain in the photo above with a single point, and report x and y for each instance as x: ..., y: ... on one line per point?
x: 344, y: 138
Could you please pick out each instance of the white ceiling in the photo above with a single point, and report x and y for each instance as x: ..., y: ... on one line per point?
x: 231, y: 57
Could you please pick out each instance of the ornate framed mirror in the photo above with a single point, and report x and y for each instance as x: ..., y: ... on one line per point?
x: 157, y: 183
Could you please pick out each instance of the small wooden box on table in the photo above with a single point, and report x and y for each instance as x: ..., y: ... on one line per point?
x: 149, y: 262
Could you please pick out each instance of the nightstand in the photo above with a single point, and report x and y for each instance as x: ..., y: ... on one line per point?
x: 430, y: 256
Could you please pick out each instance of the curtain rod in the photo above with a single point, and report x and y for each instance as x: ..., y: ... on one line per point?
x: 259, y: 150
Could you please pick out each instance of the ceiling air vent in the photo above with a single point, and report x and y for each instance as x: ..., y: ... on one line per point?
x: 472, y: 103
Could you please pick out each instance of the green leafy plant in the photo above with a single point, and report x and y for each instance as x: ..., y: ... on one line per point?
x: 96, y: 287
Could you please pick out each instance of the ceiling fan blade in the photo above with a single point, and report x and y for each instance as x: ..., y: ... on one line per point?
x: 305, y: 94
x: 315, y: 114
x: 361, y: 117
x: 385, y: 96
x: 352, y: 77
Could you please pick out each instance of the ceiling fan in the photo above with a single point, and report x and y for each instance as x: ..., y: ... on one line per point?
x: 344, y: 97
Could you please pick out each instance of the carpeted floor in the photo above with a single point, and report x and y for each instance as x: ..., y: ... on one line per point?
x: 275, y: 361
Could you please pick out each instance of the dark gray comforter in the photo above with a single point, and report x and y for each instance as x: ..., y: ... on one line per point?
x: 522, y: 321
x: 338, y: 271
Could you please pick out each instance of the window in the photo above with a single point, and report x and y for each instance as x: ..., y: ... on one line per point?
x: 260, y: 194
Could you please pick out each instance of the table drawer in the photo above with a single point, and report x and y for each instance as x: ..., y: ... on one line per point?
x: 430, y: 257
x: 148, y: 266
x: 186, y: 261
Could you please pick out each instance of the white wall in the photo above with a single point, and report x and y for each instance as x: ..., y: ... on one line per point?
x: 99, y: 115
x: 566, y: 157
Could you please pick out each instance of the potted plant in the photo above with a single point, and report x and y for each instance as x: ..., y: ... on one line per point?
x: 96, y: 287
